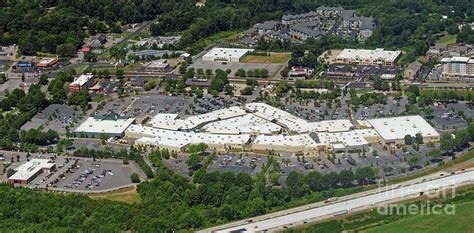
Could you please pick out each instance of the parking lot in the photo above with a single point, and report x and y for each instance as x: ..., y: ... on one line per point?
x: 209, y: 103
x: 447, y: 118
x: 10, y: 84
x: 78, y: 174
x: 339, y: 72
x: 250, y: 164
x: 273, y: 68
x: 87, y: 174
x: 55, y: 117
x: 147, y: 105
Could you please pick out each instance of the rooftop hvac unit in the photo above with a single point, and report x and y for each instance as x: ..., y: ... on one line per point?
x: 392, y: 130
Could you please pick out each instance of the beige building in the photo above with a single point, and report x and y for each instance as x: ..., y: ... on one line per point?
x: 368, y: 57
x: 393, y: 130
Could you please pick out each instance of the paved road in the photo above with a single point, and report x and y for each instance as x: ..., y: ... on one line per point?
x: 312, y: 213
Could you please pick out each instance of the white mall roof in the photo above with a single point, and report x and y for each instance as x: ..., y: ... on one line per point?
x: 347, y: 139
x: 270, y: 113
x: 234, y: 126
x: 28, y: 169
x: 398, y: 127
x: 248, y: 123
x: 81, y: 80
x: 299, y: 140
x: 329, y: 126
x: 165, y: 121
x: 168, y: 121
x: 366, y: 54
x: 174, y: 138
x: 93, y: 125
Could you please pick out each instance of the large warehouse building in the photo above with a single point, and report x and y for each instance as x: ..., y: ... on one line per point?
x: 368, y: 57
x: 263, y: 128
x: 393, y: 130
x: 225, y: 54
x: 111, y: 125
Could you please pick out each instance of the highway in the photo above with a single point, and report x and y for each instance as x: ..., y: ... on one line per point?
x: 368, y: 201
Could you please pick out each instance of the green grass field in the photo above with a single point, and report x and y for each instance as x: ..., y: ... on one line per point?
x: 141, y: 35
x: 447, y: 39
x: 458, y: 223
x: 129, y: 195
x: 218, y: 37
x: 274, y: 58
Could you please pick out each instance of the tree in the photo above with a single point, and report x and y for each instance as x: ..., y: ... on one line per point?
x: 419, y: 138
x: 295, y: 180
x: 240, y: 73
x: 193, y: 160
x: 408, y: 139
x: 446, y: 142
x: 251, y: 82
x: 313, y: 180
x: 365, y: 175
x: 199, y: 92
x: 435, y: 153
x: 346, y: 177
x: 135, y: 178
x: 228, y: 89
x: 413, y: 160
x: 119, y: 73
x: 414, y: 89
x: 10, y: 172
x: 43, y: 79
x: 66, y: 50
x: 246, y: 91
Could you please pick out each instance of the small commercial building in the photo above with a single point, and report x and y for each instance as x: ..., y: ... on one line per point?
x: 83, y: 82
x: 368, y: 57
x: 28, y: 171
x: 47, y: 62
x: 158, y: 65
x: 225, y: 54
x: 106, y: 126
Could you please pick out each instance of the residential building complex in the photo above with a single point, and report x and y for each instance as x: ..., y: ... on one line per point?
x: 330, y: 21
x: 458, y: 67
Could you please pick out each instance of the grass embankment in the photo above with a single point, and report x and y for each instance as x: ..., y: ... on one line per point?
x: 127, y: 195
x: 459, y: 222
x: 463, y: 158
x: 447, y: 39
x: 273, y: 58
x: 373, y: 222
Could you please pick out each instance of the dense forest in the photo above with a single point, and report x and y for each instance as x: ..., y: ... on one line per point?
x: 61, y: 26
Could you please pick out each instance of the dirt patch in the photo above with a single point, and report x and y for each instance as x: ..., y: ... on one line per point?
x: 273, y: 58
